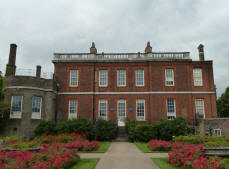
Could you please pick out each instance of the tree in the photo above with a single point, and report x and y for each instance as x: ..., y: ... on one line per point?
x: 4, y: 108
x: 223, y: 104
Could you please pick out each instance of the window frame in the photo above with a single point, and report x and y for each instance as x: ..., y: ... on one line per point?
x: 197, y: 82
x: 171, y: 115
x: 143, y: 78
x: 16, y: 114
x: 215, y: 132
x: 77, y: 78
x: 170, y: 79
x: 137, y: 116
x: 35, y: 115
x: 118, y: 78
x: 106, y: 80
x: 106, y: 111
x: 75, y: 114
x: 203, y: 108
x: 121, y: 101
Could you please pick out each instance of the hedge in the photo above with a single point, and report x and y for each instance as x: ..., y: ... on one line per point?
x: 102, y: 130
x: 163, y: 129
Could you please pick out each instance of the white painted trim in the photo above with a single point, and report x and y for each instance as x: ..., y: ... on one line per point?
x: 34, y: 114
x: 203, y: 106
x: 172, y: 77
x: 142, y: 77
x: 118, y: 78
x: 174, y: 113
x: 72, y: 115
x: 137, y: 93
x: 33, y: 88
x: 141, y: 100
x: 18, y: 114
x: 121, y: 101
x: 103, y: 101
x: 77, y: 78
x: 105, y: 85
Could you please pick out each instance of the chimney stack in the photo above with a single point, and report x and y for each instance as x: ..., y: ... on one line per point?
x: 148, y: 48
x: 38, y: 71
x: 93, y: 50
x: 201, y: 52
x: 11, y: 67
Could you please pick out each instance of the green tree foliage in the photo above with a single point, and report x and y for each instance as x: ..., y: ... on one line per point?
x: 223, y: 104
x: 4, y: 108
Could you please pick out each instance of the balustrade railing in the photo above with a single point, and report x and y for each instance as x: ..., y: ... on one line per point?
x: 121, y: 56
x: 31, y: 72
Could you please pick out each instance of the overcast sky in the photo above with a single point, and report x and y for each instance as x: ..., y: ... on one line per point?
x: 43, y: 27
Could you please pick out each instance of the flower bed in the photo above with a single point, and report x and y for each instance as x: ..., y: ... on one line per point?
x: 192, y: 156
x: 53, y: 156
x: 58, y: 152
x: 159, y: 145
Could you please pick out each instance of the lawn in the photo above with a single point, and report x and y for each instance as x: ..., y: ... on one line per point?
x: 86, y: 163
x: 143, y: 147
x: 163, y: 163
x: 104, y: 145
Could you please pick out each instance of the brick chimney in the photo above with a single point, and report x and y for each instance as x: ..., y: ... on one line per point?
x: 93, y: 50
x: 38, y: 71
x: 11, y: 67
x: 201, y: 52
x: 148, y: 48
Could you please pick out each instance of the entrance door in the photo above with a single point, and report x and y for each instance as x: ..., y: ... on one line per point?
x: 121, y: 107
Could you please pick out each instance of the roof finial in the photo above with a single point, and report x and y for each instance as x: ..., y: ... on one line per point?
x: 148, y: 48
x: 93, y: 50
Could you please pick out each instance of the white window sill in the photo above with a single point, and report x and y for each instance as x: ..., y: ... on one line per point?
x: 73, y: 86
x: 140, y: 119
x: 35, y: 116
x: 15, y: 115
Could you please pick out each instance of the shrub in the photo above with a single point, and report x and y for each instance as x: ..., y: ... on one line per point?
x: 45, y: 127
x: 192, y: 156
x: 130, y: 129
x: 163, y: 129
x: 105, y: 130
x: 159, y: 145
x: 80, y: 126
x: 144, y: 132
x: 197, y: 139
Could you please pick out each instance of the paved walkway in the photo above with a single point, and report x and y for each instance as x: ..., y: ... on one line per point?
x: 124, y: 155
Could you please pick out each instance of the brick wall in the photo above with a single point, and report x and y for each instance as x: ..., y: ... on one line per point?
x: 154, y: 75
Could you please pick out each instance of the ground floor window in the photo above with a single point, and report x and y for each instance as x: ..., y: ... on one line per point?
x: 140, y: 109
x: 171, y: 109
x: 72, y: 109
x: 16, y: 107
x: 103, y: 109
x: 36, y: 107
x: 217, y: 132
x: 200, y: 108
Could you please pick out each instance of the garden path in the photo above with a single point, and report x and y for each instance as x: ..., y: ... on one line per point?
x: 124, y: 155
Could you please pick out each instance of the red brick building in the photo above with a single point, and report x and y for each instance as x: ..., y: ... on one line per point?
x: 143, y: 86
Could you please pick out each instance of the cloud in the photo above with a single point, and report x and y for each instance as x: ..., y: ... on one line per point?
x: 40, y: 28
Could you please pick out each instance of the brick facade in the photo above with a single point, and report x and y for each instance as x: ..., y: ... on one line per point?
x: 154, y: 92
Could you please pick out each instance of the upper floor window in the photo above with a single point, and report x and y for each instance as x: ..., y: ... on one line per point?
x: 200, y: 107
x: 36, y: 107
x: 140, y: 109
x: 16, y: 107
x: 171, y: 108
x: 73, y: 78
x: 169, y: 77
x: 72, y: 109
x: 197, y: 77
x: 121, y: 78
x: 103, y: 78
x: 140, y: 77
x: 103, y: 109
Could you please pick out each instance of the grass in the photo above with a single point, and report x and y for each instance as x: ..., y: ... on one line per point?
x: 104, y: 145
x: 163, y: 163
x: 86, y: 163
x: 143, y: 147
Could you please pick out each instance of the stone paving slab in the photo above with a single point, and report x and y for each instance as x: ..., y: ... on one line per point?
x: 124, y: 155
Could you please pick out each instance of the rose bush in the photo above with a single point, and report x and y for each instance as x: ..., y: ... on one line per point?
x: 159, y: 145
x: 192, y: 156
